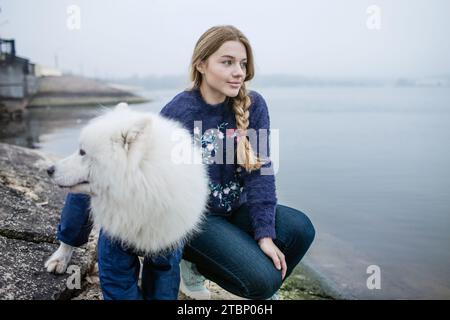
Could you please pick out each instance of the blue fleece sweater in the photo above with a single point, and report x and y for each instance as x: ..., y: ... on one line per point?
x: 230, y: 185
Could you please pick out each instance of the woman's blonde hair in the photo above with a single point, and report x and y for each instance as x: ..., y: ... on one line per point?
x: 207, y: 44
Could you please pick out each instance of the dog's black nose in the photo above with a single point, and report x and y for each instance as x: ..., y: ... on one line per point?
x: 51, y: 170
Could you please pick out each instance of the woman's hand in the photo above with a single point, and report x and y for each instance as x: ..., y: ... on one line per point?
x: 272, y: 251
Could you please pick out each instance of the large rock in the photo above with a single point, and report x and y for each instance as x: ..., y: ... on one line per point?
x: 31, y: 203
x: 22, y: 273
x: 29, y: 216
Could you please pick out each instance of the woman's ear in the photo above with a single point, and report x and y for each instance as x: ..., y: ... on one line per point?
x: 201, y: 67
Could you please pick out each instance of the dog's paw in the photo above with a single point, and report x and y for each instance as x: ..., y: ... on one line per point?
x: 56, y: 265
x: 59, y: 260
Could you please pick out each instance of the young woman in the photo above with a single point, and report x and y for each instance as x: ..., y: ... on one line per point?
x: 249, y: 244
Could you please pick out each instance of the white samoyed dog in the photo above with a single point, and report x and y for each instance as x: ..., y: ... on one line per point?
x: 147, y: 187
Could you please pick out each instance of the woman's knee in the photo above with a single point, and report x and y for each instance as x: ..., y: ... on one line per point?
x: 263, y: 285
x: 296, y: 224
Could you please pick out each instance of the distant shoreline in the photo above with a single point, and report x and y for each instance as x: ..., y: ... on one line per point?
x: 70, y: 90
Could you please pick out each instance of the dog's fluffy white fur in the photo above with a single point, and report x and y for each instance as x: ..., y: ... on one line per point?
x: 141, y: 195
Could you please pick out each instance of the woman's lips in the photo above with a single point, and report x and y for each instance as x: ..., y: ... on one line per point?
x: 235, y: 84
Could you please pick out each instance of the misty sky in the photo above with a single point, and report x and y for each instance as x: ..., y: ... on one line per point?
x: 312, y: 38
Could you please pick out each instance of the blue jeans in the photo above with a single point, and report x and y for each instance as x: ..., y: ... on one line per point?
x: 119, y: 266
x: 226, y: 252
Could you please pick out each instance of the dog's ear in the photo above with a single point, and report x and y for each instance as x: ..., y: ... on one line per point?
x: 133, y: 133
x: 122, y: 105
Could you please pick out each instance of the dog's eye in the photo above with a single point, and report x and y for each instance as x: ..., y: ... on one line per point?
x: 82, y: 152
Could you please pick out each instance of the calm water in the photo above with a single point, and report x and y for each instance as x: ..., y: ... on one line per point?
x: 369, y: 166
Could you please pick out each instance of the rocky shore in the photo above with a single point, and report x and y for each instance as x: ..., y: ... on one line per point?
x: 29, y: 216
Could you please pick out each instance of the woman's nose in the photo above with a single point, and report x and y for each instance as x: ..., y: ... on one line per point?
x: 238, y: 72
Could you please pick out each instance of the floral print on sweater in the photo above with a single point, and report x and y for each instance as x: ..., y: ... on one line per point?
x: 226, y: 195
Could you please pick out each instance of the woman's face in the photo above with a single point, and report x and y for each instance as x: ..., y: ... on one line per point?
x: 224, y: 71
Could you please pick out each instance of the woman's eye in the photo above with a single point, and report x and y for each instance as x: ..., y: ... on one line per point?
x: 244, y: 65
x: 227, y: 62
x: 82, y: 152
